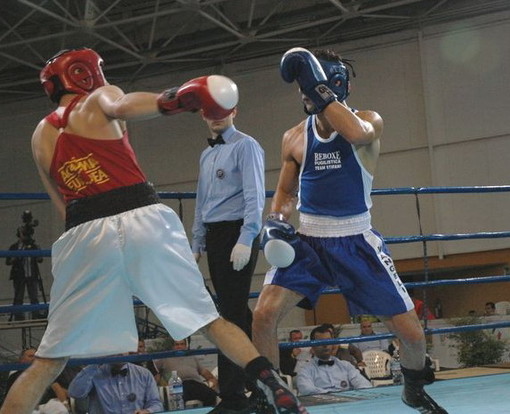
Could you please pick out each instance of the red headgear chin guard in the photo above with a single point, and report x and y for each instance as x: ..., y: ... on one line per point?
x: 72, y: 71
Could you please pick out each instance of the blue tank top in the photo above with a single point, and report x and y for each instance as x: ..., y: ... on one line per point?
x: 332, y: 180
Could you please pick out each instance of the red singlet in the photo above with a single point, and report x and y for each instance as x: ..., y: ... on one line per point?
x: 83, y: 167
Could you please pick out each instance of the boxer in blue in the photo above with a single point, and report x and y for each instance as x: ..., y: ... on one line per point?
x: 328, y: 163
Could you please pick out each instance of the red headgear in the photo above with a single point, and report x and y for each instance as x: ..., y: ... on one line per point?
x: 72, y: 71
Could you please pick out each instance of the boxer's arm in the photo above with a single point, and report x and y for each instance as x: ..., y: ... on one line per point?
x: 286, y: 189
x: 82, y: 385
x: 135, y: 105
x: 360, y: 128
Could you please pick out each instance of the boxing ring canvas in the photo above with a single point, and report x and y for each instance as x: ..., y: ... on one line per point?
x: 474, y: 395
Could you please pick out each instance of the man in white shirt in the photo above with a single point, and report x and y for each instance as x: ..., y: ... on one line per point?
x: 326, y: 373
x: 292, y: 360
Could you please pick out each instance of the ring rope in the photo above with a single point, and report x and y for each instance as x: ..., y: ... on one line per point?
x: 253, y: 295
x: 388, y: 240
x: 282, y: 345
x: 377, y: 191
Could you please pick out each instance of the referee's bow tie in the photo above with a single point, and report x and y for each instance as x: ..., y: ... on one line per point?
x: 329, y: 362
x: 118, y: 371
x: 218, y: 141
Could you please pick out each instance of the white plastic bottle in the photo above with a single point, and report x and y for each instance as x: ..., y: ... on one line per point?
x: 177, y: 390
x: 396, y: 370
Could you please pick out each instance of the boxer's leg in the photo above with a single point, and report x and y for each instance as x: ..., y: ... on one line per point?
x: 28, y: 389
x: 273, y: 304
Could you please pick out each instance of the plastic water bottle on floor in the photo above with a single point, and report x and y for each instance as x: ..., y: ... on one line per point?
x: 396, y: 370
x: 177, y: 391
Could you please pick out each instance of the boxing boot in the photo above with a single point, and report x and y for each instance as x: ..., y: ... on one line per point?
x: 413, y: 393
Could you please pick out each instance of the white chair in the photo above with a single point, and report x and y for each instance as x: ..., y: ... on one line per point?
x: 378, y: 367
x: 502, y: 307
x: 290, y: 382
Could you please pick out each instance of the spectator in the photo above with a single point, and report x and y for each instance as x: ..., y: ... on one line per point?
x: 326, y: 373
x: 346, y: 352
x: 117, y: 388
x: 149, y: 364
x: 292, y: 360
x: 228, y: 219
x: 378, y: 344
x: 490, y: 309
x: 57, y: 389
x: 192, y: 374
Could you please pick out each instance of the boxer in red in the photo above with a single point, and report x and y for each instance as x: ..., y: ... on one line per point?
x: 120, y: 240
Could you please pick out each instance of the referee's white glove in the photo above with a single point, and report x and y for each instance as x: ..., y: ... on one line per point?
x: 240, y: 256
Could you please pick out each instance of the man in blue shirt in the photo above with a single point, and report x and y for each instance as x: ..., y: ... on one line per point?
x: 326, y: 373
x: 119, y: 388
x: 367, y: 330
x: 228, y: 219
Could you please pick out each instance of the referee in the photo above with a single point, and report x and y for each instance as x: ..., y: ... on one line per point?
x: 228, y: 220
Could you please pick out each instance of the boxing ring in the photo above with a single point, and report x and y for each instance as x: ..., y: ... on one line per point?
x: 487, y: 388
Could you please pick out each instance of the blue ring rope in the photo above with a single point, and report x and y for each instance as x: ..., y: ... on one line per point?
x: 282, y: 345
x: 253, y: 295
x: 381, y: 191
x: 389, y: 240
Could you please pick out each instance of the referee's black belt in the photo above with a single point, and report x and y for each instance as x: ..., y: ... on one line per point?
x: 110, y: 203
x: 224, y: 224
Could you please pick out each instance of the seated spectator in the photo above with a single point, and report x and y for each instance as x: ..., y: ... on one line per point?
x: 57, y: 390
x: 346, y: 352
x: 367, y: 330
x: 117, y: 388
x: 490, y: 309
x: 291, y: 360
x: 149, y: 364
x: 326, y: 373
x: 192, y: 374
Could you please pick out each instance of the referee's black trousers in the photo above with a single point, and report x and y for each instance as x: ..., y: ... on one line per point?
x: 232, y: 289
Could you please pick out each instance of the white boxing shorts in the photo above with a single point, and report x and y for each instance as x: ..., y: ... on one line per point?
x: 98, y: 266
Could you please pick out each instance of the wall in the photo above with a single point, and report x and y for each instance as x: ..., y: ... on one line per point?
x: 443, y: 95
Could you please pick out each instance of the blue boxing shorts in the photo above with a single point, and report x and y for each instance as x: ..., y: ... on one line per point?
x: 359, y: 264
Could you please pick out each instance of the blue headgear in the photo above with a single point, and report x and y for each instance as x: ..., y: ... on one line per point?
x: 338, y: 78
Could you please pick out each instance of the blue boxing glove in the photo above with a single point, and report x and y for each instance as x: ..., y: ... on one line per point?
x: 301, y: 65
x: 278, y: 241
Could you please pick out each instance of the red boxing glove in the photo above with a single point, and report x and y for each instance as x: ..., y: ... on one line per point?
x: 216, y: 95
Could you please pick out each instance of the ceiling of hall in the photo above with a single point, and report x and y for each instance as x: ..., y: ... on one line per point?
x: 140, y: 38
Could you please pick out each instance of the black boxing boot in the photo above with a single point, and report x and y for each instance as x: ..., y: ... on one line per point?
x: 279, y: 398
x: 413, y: 393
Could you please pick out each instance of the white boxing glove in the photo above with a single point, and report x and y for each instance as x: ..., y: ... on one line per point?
x: 278, y: 241
x: 240, y: 256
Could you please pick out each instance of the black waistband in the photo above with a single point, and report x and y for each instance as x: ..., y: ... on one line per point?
x: 112, y: 202
x: 223, y: 224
